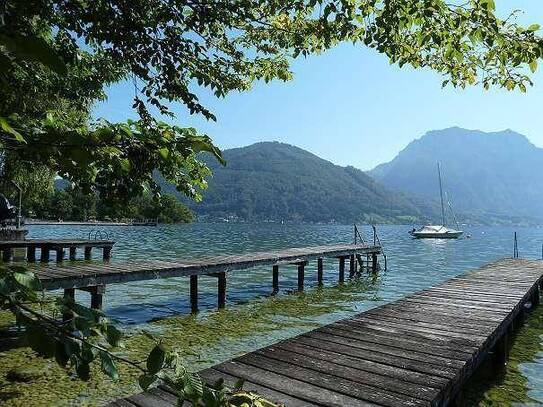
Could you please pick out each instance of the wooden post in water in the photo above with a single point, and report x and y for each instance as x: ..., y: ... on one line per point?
x: 319, y: 270
x: 106, y: 253
x: 341, y: 269
x: 60, y: 254
x: 500, y: 350
x: 374, y: 262
x: 221, y: 289
x: 97, y: 295
x: 31, y: 254
x: 275, y: 279
x: 44, y: 254
x: 352, y: 268
x: 88, y: 252
x: 194, y: 293
x: 301, y: 276
x: 360, y: 263
x: 73, y: 251
x: 7, y: 254
x: 535, y: 297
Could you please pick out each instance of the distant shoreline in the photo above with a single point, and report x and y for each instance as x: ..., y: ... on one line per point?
x: 78, y: 223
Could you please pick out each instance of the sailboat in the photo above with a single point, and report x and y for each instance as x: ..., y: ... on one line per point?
x: 439, y: 231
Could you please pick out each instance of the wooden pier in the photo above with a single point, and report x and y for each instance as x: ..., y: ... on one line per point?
x: 45, y: 246
x: 417, y: 351
x: 94, y: 277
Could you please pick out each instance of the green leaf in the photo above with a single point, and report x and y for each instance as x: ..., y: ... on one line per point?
x: 533, y: 65
x: 193, y: 386
x: 28, y: 280
x: 40, y: 341
x: 239, y: 384
x: 164, y: 153
x: 82, y: 369
x: 4, y: 125
x: 155, y: 360
x: 113, y: 335
x: 60, y: 354
x: 87, y: 354
x: 534, y: 27
x: 5, y: 287
x: 145, y: 381
x: 108, y: 366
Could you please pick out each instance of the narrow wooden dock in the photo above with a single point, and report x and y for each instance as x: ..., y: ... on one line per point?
x: 45, y: 246
x: 94, y: 277
x: 417, y: 351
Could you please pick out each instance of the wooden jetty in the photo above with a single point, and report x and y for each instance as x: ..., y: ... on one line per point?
x: 417, y: 351
x: 45, y: 246
x: 95, y: 277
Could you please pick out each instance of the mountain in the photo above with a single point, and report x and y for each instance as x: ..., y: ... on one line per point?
x: 493, y: 175
x: 276, y: 181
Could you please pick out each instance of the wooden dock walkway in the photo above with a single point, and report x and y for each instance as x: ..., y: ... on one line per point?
x: 94, y: 277
x: 417, y: 351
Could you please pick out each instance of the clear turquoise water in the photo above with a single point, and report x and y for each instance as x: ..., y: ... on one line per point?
x: 412, y: 265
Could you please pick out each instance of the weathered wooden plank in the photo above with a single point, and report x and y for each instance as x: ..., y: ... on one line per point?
x: 302, y: 389
x: 354, y: 347
x: 319, y: 349
x: 382, y: 382
x: 211, y: 376
x: 389, y: 343
x: 331, y: 382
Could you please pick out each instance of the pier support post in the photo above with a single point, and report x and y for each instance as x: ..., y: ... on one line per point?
x: 319, y: 270
x: 31, y: 254
x: 360, y: 263
x: 88, y: 252
x: 221, y: 289
x: 106, y: 253
x: 301, y: 276
x: 535, y: 297
x: 501, y: 350
x: 60, y: 254
x: 194, y: 293
x: 374, y: 262
x: 352, y: 268
x: 97, y: 295
x: 341, y: 269
x: 275, y: 279
x: 7, y: 255
x: 44, y: 254
x: 73, y: 251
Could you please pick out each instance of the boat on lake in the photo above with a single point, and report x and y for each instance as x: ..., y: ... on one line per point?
x: 437, y: 231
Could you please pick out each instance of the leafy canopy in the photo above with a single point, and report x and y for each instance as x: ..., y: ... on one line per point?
x: 57, y: 56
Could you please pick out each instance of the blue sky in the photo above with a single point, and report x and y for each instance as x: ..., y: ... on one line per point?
x: 351, y: 107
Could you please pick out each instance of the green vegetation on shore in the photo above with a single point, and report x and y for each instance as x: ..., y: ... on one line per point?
x: 72, y: 205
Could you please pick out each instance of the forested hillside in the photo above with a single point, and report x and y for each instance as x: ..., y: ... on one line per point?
x: 276, y: 181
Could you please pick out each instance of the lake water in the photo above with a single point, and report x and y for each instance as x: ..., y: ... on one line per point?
x: 254, y: 319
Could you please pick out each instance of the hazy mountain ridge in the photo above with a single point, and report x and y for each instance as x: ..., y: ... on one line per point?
x: 276, y: 181
x: 495, y: 175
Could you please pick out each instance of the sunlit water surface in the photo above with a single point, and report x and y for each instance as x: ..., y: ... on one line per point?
x: 254, y: 319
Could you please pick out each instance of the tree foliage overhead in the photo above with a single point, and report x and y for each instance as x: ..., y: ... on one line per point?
x: 57, y: 56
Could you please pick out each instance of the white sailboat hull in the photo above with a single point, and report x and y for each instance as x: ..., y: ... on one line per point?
x: 436, y: 232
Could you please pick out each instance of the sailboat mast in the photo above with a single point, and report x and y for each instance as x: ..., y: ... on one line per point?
x: 441, y: 195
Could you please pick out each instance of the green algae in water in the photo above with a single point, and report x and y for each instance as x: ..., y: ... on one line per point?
x: 204, y: 340
x: 519, y: 382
